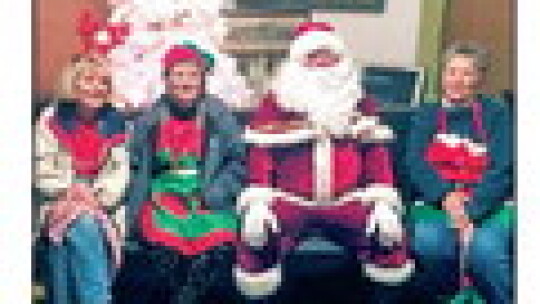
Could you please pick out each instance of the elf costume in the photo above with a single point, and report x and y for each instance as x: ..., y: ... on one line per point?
x: 187, y: 163
x: 177, y: 218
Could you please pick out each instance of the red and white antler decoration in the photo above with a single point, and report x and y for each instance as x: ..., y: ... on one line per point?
x: 100, y: 37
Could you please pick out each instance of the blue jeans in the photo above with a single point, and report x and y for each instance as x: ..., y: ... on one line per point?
x: 79, y: 269
x: 489, y: 261
x: 492, y: 261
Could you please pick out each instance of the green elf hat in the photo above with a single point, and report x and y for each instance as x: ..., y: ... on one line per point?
x: 188, y: 51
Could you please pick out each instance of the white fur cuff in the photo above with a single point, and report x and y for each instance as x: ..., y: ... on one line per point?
x: 377, y: 193
x: 394, y: 275
x: 258, y: 285
x: 381, y: 193
x: 372, y: 129
x: 315, y: 40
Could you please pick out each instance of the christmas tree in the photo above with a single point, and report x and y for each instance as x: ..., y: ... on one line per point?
x: 154, y: 26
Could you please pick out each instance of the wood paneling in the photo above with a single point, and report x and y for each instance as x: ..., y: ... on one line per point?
x: 55, y: 38
x: 490, y: 22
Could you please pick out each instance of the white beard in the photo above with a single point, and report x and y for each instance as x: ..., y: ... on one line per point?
x: 328, y: 95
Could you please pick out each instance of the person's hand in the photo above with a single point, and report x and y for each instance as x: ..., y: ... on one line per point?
x: 466, y: 229
x: 75, y: 199
x: 454, y: 204
x: 88, y: 199
x: 156, y: 196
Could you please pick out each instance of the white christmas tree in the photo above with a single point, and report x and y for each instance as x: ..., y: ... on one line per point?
x: 156, y: 25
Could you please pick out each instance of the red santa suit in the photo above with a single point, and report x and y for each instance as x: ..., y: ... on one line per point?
x: 333, y: 173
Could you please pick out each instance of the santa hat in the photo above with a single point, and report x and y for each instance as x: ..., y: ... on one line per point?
x: 187, y: 51
x: 307, y: 27
x: 310, y: 36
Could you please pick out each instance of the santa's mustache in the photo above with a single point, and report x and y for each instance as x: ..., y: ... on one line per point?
x: 326, y: 96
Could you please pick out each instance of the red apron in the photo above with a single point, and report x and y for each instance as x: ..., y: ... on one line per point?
x: 458, y: 159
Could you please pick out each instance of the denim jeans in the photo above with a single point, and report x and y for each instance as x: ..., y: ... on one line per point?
x: 79, y: 269
x: 489, y: 260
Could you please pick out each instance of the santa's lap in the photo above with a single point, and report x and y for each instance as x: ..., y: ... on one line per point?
x: 343, y: 224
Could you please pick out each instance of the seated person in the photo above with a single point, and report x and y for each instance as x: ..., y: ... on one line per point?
x: 82, y: 169
x: 316, y: 161
x: 187, y: 162
x: 459, y: 157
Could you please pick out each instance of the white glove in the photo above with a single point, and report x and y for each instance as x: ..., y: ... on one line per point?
x: 257, y: 217
x: 388, y: 222
x: 258, y: 222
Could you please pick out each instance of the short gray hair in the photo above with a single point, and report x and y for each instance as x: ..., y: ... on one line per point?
x: 470, y: 49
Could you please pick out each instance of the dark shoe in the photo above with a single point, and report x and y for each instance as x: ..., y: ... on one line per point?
x: 205, y: 272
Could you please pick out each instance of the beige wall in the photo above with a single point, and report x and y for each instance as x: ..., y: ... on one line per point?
x: 55, y: 39
x: 389, y: 38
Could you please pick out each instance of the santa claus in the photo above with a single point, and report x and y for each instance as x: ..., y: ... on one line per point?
x: 318, y: 158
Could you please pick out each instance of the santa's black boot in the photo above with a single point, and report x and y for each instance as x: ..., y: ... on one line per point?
x: 385, y: 294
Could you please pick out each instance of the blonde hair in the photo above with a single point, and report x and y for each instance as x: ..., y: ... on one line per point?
x: 65, y: 86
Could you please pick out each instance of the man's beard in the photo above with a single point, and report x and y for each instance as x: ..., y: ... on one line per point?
x: 327, y: 95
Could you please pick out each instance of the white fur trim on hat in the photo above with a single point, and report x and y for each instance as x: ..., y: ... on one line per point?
x: 315, y: 40
x: 258, y: 285
x: 389, y: 275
